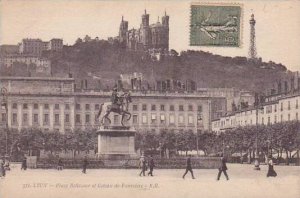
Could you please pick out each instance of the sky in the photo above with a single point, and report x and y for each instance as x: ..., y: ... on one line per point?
x: 277, y: 23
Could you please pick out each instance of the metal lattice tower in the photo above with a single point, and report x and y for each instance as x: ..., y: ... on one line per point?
x: 252, y: 47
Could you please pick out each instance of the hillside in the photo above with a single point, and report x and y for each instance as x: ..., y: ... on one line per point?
x: 110, y: 59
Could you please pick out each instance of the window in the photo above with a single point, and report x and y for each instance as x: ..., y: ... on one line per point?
x: 281, y: 107
x: 172, y: 119
x: 56, y: 106
x: 77, y: 106
x: 269, y: 120
x: 297, y: 104
x: 77, y: 119
x: 56, y: 118
x: 116, y: 119
x: 97, y: 106
x: 153, y: 107
x: 25, y: 106
x: 134, y: 119
x: 14, y: 106
x: 14, y: 120
x: 144, y: 119
x: 144, y: 107
x: 153, y: 118
x: 67, y: 106
x: 162, y: 119
x: 3, y: 119
x: 87, y: 118
x: 46, y: 106
x: 275, y: 108
x: 35, y: 118
x: 200, y: 108
x: 25, y: 118
x: 289, y: 105
x: 87, y: 106
x: 35, y: 106
x: 180, y: 119
x: 191, y: 119
x: 275, y: 119
x: 297, y: 116
x: 46, y: 119
x: 134, y: 107
x: 172, y: 108
x: 180, y: 107
x: 162, y: 107
x: 67, y: 118
x: 190, y: 107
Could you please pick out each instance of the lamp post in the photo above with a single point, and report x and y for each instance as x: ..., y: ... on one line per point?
x: 256, y: 162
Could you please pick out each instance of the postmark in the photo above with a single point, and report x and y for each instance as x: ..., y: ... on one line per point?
x: 215, y: 25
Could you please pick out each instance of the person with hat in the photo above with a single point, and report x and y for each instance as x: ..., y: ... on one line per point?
x: 188, y: 167
x: 84, y: 164
x: 24, y: 164
x: 143, y: 165
x: 223, y: 168
x: 2, y: 169
x: 271, y: 171
x: 151, y: 165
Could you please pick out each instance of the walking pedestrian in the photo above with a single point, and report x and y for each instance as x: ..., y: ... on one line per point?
x: 60, y: 164
x: 143, y: 165
x: 223, y: 168
x: 188, y: 167
x: 271, y: 171
x: 84, y: 165
x: 151, y: 165
x: 24, y: 164
x: 2, y: 169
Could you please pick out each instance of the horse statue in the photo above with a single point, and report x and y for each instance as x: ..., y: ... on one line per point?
x: 121, y: 108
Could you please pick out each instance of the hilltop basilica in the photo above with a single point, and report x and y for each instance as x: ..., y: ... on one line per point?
x: 147, y: 37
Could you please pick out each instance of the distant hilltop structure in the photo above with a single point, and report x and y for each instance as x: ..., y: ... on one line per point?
x: 37, y: 46
x: 148, y: 37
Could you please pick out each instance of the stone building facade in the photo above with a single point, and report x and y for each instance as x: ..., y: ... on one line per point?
x: 275, y: 109
x: 148, y: 36
x: 43, y: 65
x: 37, y: 46
x: 52, y: 104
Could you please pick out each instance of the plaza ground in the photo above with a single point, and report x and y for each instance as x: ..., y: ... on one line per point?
x: 244, y: 183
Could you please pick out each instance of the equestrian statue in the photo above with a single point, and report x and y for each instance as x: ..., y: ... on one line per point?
x: 118, y: 104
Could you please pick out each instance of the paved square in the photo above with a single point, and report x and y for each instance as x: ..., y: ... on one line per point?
x: 244, y: 183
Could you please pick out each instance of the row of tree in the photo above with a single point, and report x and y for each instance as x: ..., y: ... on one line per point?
x: 277, y: 138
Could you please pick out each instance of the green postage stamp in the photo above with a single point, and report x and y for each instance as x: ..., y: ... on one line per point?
x: 215, y: 25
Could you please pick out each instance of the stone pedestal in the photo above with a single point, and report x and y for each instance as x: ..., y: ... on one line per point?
x: 116, y: 142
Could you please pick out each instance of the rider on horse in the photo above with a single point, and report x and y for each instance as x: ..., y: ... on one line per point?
x: 116, y: 99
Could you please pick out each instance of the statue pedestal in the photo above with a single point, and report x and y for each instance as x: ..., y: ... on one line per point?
x: 116, y: 142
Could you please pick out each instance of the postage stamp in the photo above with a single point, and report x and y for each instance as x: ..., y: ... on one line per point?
x: 215, y: 25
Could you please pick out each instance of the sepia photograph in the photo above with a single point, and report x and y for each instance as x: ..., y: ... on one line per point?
x: 162, y: 98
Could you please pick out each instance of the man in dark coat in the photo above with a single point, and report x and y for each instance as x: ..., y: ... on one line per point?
x: 60, y: 164
x: 24, y: 164
x: 84, y: 165
x: 151, y: 165
x: 223, y: 168
x: 2, y: 169
x: 188, y: 167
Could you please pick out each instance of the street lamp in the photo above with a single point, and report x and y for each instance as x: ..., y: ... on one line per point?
x: 256, y: 162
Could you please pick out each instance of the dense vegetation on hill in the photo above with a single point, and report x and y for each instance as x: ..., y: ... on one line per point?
x: 108, y: 60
